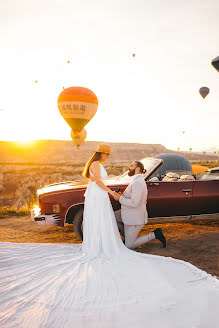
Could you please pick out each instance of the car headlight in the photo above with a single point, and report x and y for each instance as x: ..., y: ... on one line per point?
x: 34, y: 212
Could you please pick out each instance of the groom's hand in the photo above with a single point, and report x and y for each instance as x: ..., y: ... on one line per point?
x: 116, y: 195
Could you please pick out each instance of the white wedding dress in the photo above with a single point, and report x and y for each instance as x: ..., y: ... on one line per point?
x: 101, y: 283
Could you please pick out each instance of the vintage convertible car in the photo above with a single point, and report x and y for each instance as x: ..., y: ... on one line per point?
x: 188, y: 196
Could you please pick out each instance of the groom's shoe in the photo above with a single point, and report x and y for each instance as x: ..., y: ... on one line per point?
x: 159, y: 235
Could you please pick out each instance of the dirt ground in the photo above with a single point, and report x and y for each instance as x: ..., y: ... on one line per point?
x: 197, y: 243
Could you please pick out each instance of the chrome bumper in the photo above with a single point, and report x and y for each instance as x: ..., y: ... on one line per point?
x: 45, y: 219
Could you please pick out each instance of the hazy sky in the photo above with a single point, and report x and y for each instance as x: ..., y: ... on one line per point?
x: 150, y: 98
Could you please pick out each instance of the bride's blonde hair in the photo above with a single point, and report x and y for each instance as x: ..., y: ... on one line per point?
x: 95, y: 157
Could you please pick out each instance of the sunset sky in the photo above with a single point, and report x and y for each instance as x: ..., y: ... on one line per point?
x: 150, y: 98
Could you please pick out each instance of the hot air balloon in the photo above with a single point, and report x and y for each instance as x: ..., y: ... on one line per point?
x: 215, y: 63
x: 133, y: 55
x: 199, y: 168
x: 79, y: 137
x: 77, y: 105
x: 172, y: 161
x: 36, y: 81
x: 204, y: 91
x: 68, y: 61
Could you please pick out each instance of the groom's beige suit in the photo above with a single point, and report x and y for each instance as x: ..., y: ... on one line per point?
x: 133, y: 214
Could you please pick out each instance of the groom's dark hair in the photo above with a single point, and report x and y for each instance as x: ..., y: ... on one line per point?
x: 141, y: 166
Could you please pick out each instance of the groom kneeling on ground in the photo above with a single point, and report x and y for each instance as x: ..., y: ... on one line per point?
x: 133, y: 214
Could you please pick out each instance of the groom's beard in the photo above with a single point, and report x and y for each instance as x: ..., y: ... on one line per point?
x: 131, y: 172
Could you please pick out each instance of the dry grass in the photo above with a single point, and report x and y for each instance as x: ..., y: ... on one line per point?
x: 23, y: 230
x: 197, y: 243
x: 6, y: 211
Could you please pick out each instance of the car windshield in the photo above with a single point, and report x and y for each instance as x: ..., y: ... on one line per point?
x: 208, y: 175
x: 149, y: 163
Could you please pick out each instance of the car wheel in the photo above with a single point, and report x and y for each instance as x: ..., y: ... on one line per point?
x: 78, y: 223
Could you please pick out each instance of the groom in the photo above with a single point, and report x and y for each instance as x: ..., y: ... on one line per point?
x: 133, y: 214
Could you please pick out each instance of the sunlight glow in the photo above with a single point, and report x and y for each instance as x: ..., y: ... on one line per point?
x: 25, y: 143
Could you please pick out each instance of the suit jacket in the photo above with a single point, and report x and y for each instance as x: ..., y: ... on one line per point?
x: 133, y: 202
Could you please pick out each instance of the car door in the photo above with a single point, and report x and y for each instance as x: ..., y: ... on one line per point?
x: 167, y: 198
x: 206, y: 196
x: 153, y: 207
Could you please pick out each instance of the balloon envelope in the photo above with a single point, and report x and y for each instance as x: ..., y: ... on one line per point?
x: 79, y: 137
x: 172, y: 162
x: 215, y: 63
x: 204, y: 91
x: 199, y: 168
x: 77, y: 105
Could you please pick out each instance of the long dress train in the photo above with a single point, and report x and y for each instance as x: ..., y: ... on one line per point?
x: 101, y: 283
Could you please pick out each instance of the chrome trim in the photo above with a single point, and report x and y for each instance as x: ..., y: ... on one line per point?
x: 57, y: 192
x: 53, y: 219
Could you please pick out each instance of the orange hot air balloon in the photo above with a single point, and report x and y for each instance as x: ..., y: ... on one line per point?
x: 77, y: 105
x: 79, y: 138
x: 204, y: 91
x: 199, y: 168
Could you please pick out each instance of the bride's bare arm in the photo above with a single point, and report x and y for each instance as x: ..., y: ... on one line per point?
x: 95, y: 170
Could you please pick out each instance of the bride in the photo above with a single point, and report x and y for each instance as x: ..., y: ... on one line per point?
x: 101, y: 283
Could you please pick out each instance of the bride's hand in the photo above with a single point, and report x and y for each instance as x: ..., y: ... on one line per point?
x: 111, y: 192
x: 116, y: 195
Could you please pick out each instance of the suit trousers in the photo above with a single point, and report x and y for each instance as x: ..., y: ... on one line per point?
x: 130, y: 233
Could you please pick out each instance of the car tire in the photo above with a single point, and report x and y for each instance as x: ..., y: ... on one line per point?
x: 78, y: 223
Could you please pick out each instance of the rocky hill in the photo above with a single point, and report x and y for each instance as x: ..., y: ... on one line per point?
x: 54, y: 151
x: 50, y: 151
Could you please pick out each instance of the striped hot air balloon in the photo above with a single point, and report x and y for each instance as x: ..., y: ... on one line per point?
x: 77, y: 105
x: 215, y: 63
x: 204, y: 91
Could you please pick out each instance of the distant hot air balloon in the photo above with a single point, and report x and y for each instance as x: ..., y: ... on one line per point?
x: 133, y: 55
x: 36, y: 81
x: 215, y: 63
x: 68, y: 61
x: 77, y: 105
x: 79, y: 137
x: 199, y: 168
x: 204, y: 91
